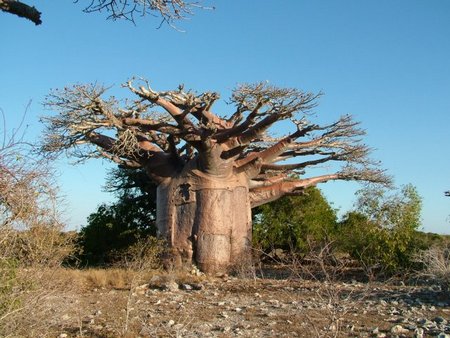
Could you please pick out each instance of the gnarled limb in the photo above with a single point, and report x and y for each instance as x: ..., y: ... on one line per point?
x: 269, y: 193
x: 21, y: 9
x: 156, y: 98
x: 270, y: 154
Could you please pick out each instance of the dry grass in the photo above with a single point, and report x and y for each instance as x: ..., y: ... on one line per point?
x: 37, y: 294
x: 436, y: 265
x: 124, y: 279
x: 109, y: 278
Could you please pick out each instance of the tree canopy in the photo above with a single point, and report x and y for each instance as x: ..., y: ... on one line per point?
x: 135, y: 134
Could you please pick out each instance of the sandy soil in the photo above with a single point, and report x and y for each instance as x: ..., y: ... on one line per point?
x: 169, y: 306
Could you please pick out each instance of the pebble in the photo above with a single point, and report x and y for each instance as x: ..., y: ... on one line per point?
x: 443, y: 335
x: 398, y: 329
x: 171, y: 286
x: 440, y: 320
x: 186, y: 287
x: 419, y: 333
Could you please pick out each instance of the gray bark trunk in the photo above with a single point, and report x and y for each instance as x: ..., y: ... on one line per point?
x: 205, y: 219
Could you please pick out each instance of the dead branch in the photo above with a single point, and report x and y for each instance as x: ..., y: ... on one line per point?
x: 169, y: 10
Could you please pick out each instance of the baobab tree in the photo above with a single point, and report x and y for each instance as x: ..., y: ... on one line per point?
x: 210, y: 170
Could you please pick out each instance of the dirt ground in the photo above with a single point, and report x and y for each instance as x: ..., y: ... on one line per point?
x: 198, y: 306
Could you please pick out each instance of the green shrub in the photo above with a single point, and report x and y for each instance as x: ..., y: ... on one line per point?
x: 382, y: 233
x: 294, y: 222
x: 117, y: 226
x: 111, y: 229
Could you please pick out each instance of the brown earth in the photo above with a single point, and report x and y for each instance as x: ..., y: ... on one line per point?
x: 170, y: 305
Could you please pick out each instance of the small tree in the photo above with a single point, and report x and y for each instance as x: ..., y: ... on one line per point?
x: 113, y: 228
x: 31, y: 239
x: 381, y: 232
x: 294, y: 222
x: 210, y: 170
x: 30, y: 224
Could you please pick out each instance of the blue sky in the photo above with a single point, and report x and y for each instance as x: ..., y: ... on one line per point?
x: 385, y: 62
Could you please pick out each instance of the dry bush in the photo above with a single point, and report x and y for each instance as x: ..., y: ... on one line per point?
x: 39, y: 298
x: 436, y: 265
x: 32, y: 242
x: 327, y: 271
x: 115, y: 278
x: 144, y: 255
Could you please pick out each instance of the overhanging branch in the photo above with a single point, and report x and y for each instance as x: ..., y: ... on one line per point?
x: 21, y: 9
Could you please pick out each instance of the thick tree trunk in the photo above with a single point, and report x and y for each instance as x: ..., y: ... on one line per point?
x: 205, y: 219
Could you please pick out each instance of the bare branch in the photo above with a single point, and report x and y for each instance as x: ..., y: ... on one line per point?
x: 169, y: 10
x: 131, y: 133
x: 267, y: 105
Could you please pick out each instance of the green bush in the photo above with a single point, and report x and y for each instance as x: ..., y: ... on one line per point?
x: 294, y: 222
x: 115, y: 227
x: 382, y: 233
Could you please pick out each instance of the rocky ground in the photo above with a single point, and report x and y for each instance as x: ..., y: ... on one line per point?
x: 226, y: 306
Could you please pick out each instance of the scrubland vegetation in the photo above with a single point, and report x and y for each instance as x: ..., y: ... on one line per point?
x: 49, y: 277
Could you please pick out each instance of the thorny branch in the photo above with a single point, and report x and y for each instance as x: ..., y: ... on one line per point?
x: 169, y: 10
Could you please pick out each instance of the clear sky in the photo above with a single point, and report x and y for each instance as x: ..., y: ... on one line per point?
x: 385, y: 62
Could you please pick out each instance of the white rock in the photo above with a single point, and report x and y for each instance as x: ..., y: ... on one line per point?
x: 398, y: 329
x: 171, y: 286
x: 418, y: 333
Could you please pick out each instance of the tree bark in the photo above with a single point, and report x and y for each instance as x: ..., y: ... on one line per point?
x: 205, y: 219
x: 21, y: 9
